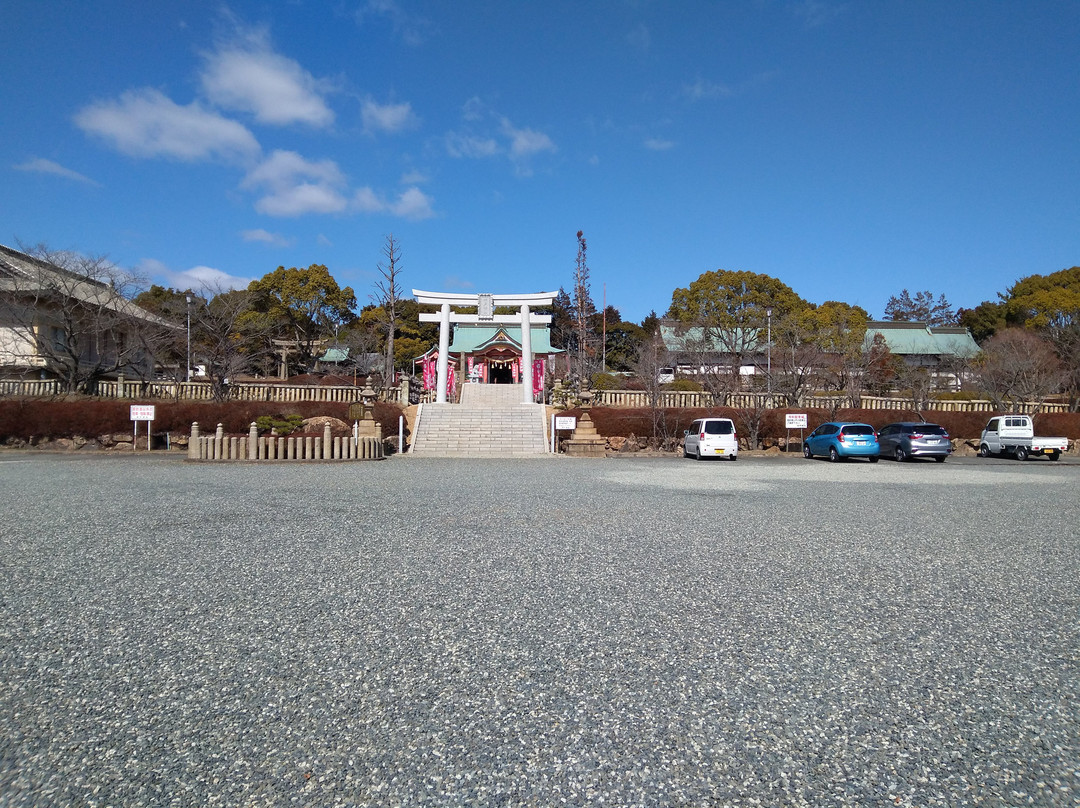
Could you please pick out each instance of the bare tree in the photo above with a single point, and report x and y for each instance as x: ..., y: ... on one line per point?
x: 70, y: 315
x: 387, y: 299
x: 583, y: 310
x: 228, y: 336
x: 1017, y: 366
x: 652, y: 357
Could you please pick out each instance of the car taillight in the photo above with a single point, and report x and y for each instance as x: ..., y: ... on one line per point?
x: 918, y: 435
x: 701, y: 436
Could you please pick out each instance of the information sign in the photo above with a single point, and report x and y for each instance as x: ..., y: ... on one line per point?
x: 142, y: 412
x: 565, y: 422
x: 795, y: 420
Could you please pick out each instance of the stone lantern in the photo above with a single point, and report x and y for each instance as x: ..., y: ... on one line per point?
x: 586, y: 441
x: 362, y: 413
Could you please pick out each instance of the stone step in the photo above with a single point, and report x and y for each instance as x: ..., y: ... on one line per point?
x: 481, y: 428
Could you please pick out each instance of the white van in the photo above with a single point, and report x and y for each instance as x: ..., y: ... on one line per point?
x: 711, y: 437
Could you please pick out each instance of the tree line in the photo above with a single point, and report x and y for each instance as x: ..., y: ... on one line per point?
x: 1029, y: 337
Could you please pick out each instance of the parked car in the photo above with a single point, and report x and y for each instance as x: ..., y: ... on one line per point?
x: 908, y: 440
x: 711, y: 437
x: 839, y: 440
x: 1015, y: 435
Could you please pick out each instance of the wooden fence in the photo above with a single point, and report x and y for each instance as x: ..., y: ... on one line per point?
x: 254, y: 447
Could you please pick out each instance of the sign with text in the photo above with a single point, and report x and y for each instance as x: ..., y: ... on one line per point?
x: 795, y: 420
x: 565, y: 422
x: 142, y: 412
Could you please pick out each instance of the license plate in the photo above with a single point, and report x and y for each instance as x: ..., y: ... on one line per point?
x: 719, y: 451
x: 1048, y: 451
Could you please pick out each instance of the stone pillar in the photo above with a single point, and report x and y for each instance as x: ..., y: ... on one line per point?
x: 253, y: 441
x: 444, y: 353
x: 193, y: 442
x: 526, y: 355
x: 327, y: 446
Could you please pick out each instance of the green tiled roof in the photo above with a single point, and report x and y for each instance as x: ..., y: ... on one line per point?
x: 694, y: 339
x: 470, y: 338
x: 335, y: 355
x: 919, y: 339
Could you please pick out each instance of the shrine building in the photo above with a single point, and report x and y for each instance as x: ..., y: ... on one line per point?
x: 488, y: 348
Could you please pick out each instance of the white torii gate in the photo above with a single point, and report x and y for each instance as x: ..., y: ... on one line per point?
x: 485, y: 313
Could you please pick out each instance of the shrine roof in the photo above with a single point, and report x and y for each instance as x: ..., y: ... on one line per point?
x: 470, y: 338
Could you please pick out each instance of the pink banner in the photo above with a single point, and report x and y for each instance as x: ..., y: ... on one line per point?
x: 538, y: 377
x: 430, y: 372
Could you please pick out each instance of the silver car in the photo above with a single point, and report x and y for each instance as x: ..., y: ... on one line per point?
x: 908, y: 440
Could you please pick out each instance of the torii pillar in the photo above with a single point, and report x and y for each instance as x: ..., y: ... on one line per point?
x: 485, y: 306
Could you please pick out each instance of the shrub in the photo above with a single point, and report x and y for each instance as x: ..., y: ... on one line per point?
x: 605, y: 381
x: 684, y: 386
x: 282, y: 424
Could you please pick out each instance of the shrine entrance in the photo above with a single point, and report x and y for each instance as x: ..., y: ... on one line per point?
x: 497, y: 352
x: 500, y: 371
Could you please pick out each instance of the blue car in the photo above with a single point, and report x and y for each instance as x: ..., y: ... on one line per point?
x: 839, y: 440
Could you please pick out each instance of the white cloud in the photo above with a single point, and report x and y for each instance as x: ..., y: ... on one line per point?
x: 198, y: 278
x: 146, y: 123
x: 521, y: 144
x: 464, y: 145
x: 413, y: 29
x: 414, y: 177
x: 293, y: 186
x: 266, y: 237
x: 702, y: 89
x: 526, y: 142
x: 40, y: 165
x: 323, y: 241
x: 412, y: 204
x: 455, y: 282
x: 248, y: 76
x: 474, y: 109
x: 367, y: 201
x: 388, y: 118
x: 658, y: 144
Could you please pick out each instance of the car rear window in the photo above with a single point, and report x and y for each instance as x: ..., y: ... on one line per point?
x: 718, y: 428
x: 858, y: 429
x: 928, y: 429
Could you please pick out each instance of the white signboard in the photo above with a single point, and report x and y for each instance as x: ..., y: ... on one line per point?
x: 795, y: 420
x: 565, y: 422
x: 142, y: 412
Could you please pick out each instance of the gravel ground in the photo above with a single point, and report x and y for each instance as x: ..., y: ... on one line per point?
x: 651, y: 632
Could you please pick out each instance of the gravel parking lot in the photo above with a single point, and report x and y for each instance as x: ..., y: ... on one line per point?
x: 652, y: 632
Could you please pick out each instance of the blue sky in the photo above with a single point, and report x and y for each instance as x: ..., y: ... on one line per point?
x: 850, y: 149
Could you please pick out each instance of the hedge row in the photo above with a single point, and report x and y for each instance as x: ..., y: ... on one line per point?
x: 624, y: 422
x: 24, y: 419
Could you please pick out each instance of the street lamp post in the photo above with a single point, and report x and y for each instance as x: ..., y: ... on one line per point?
x: 188, y: 298
x: 768, y: 352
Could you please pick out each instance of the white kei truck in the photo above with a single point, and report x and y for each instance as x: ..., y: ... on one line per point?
x: 1015, y: 435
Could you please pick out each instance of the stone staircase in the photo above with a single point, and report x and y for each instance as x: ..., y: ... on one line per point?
x: 490, y: 421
